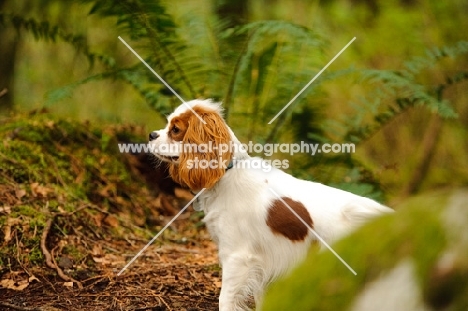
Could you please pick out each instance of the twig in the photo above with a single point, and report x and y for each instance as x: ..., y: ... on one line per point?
x: 165, y: 303
x: 48, y: 257
x: 15, y: 307
x: 3, y: 92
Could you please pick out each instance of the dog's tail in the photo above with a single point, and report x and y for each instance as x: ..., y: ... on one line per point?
x: 360, y: 211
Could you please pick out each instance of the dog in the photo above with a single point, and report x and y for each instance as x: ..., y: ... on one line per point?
x: 262, y: 219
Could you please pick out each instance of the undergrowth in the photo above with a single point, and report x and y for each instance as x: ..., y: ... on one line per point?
x: 71, y: 171
x: 254, y: 69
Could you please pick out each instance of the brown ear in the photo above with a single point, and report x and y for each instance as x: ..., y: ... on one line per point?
x: 202, y: 168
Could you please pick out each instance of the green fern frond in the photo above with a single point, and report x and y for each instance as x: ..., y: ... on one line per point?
x: 397, y: 91
x: 43, y: 30
x: 148, y: 24
x: 434, y: 55
x: 278, y: 59
x: 394, y: 83
x: 66, y: 91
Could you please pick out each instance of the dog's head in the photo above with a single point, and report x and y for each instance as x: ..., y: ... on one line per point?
x: 198, y: 153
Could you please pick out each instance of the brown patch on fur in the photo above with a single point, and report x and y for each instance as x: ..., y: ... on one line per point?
x: 181, y: 123
x: 282, y: 221
x: 193, y: 131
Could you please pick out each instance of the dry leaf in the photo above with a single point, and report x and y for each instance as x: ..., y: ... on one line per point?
x: 7, y: 229
x: 68, y: 284
x: 33, y: 278
x: 110, y: 259
x: 111, y: 221
x: 183, y: 194
x: 20, y: 193
x: 5, y: 209
x: 39, y: 190
x: 108, y: 190
x: 98, y: 219
x: 97, y: 250
x: 101, y: 260
x: 10, y: 284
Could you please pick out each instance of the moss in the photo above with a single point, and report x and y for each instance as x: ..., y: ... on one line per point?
x: 74, y: 252
x: 35, y: 256
x: 61, y: 165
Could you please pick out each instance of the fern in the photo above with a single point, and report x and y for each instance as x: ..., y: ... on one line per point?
x: 398, y: 91
x: 256, y: 68
x: 278, y: 59
x: 153, y: 32
x: 43, y: 30
x: 147, y: 23
x: 434, y: 55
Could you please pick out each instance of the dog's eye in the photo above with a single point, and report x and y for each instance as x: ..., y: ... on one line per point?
x: 175, y: 130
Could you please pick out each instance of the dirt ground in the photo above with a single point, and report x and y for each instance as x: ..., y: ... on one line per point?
x: 167, y: 277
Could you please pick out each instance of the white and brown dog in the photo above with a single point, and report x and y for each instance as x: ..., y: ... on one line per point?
x: 258, y: 237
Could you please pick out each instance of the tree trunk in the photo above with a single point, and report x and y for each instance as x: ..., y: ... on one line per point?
x: 8, y: 45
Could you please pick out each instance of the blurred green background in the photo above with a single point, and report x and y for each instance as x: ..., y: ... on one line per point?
x: 399, y: 92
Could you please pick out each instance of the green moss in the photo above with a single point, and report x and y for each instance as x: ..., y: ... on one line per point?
x: 35, y: 256
x: 63, y: 165
x: 73, y: 252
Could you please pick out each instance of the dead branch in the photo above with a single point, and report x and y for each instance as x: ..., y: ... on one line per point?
x: 49, y: 260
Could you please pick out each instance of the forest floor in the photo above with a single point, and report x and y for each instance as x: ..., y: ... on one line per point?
x: 74, y: 211
x: 169, y: 277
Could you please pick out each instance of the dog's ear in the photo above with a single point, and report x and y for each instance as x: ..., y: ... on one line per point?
x: 206, y: 152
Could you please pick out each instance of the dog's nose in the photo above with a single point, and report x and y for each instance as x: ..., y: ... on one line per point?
x: 153, y: 135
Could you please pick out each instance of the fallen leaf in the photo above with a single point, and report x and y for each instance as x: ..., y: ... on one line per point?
x: 97, y: 250
x: 39, y: 190
x: 5, y: 209
x: 33, y: 278
x: 20, y: 193
x: 98, y: 219
x: 101, y: 260
x: 68, y: 284
x: 10, y: 284
x: 111, y: 221
x: 183, y: 194
x: 110, y: 259
x: 7, y: 229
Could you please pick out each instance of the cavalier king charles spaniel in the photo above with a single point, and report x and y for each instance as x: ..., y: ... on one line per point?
x: 252, y: 210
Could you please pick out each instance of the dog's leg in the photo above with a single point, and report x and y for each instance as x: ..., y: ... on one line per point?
x: 241, y: 280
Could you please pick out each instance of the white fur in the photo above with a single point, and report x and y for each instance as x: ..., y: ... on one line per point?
x: 236, y: 208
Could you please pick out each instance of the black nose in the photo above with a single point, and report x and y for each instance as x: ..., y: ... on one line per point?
x: 153, y: 135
